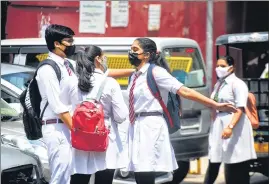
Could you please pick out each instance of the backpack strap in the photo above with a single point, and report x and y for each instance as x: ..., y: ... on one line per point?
x: 100, y: 91
x: 156, y: 92
x: 54, y: 65
x: 57, y: 70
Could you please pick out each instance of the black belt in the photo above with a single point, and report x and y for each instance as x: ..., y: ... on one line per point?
x: 148, y: 114
x: 51, y: 121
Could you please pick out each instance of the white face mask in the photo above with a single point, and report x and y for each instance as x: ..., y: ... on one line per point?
x: 222, y: 71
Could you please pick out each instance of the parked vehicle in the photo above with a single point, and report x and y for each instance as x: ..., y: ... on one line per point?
x: 251, y: 54
x: 20, y: 167
x: 13, y: 79
x: 12, y: 134
x: 182, y: 54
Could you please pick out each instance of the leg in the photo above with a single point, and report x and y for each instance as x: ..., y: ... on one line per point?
x: 104, y: 177
x: 80, y: 178
x: 212, y: 172
x: 145, y: 177
x: 237, y: 173
x: 59, y: 154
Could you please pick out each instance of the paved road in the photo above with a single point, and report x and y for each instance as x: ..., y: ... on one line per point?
x: 198, y: 179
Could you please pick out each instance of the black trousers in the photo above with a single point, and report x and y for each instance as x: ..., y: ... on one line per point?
x: 101, y: 177
x: 145, y: 177
x: 234, y: 173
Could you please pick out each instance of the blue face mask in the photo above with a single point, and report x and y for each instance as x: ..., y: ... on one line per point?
x: 104, y: 64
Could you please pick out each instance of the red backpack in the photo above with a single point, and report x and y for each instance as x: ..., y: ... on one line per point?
x: 89, y: 132
x: 251, y: 110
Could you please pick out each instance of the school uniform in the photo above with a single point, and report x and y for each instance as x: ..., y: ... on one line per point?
x: 55, y: 133
x: 239, y: 148
x: 150, y: 149
x: 115, y: 111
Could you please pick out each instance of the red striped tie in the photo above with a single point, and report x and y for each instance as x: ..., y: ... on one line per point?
x: 66, y: 63
x: 131, y: 100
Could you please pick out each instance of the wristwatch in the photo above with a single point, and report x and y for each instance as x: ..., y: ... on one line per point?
x: 231, y: 126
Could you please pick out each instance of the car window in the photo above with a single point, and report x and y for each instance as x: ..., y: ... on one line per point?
x: 33, y: 59
x: 7, y: 58
x: 19, y: 79
x: 8, y: 97
x: 186, y: 65
x: 7, y: 112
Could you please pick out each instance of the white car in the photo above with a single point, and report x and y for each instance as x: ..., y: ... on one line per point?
x: 13, y: 80
x: 12, y: 134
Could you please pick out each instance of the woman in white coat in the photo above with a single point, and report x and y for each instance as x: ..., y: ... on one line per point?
x: 91, y: 65
x: 150, y: 149
x: 231, y: 138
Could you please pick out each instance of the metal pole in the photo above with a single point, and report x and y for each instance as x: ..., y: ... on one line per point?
x: 209, y: 42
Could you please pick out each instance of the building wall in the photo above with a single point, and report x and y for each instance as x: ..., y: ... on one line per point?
x: 178, y: 19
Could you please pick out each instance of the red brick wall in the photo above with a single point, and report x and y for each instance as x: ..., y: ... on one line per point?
x: 24, y: 20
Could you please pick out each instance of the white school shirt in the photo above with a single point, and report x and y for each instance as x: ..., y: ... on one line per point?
x: 150, y: 148
x: 56, y: 136
x: 49, y: 87
x: 240, y: 146
x: 115, y: 111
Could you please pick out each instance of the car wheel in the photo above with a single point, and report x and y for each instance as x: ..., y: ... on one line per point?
x: 181, y: 172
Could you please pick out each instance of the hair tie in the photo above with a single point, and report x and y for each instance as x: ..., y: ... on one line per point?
x: 81, y: 51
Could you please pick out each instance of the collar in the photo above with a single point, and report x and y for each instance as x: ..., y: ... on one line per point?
x: 56, y: 58
x: 99, y: 71
x: 144, y: 68
x: 230, y: 78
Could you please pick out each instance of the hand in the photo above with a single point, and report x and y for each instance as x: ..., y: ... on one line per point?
x: 225, y: 107
x: 227, y: 133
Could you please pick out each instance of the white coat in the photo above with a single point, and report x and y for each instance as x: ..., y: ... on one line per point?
x: 240, y: 146
x: 150, y: 149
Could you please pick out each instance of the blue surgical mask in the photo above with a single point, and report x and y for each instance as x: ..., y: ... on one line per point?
x: 104, y: 63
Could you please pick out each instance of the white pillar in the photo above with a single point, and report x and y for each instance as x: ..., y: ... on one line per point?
x: 209, y: 42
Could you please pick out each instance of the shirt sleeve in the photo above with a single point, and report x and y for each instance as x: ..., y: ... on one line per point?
x: 240, y: 91
x: 119, y: 108
x: 165, y: 80
x: 48, y: 78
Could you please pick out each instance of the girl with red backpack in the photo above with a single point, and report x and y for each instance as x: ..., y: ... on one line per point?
x: 95, y: 116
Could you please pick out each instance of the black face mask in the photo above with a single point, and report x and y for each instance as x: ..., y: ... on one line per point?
x: 69, y: 50
x: 133, y: 59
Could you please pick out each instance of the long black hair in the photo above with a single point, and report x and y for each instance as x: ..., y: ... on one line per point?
x: 150, y: 46
x: 85, y: 66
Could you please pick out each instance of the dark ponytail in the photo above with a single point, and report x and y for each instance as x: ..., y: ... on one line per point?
x: 150, y: 46
x: 85, y: 66
x: 159, y: 60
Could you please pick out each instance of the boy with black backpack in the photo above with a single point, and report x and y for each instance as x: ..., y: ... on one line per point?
x: 44, y: 113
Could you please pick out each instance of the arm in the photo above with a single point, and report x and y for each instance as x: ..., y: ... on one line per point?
x: 195, y: 96
x: 48, y: 78
x: 168, y: 82
x: 198, y: 97
x: 67, y: 119
x: 119, y: 108
x: 117, y: 73
x: 240, y: 93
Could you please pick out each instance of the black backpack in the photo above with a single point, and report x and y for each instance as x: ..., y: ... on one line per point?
x: 30, y: 100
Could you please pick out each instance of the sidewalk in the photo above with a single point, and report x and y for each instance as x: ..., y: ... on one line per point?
x: 195, y: 179
x: 199, y: 178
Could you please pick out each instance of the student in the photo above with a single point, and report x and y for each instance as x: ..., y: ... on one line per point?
x: 56, y: 120
x: 231, y: 137
x: 91, y: 65
x: 150, y: 149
